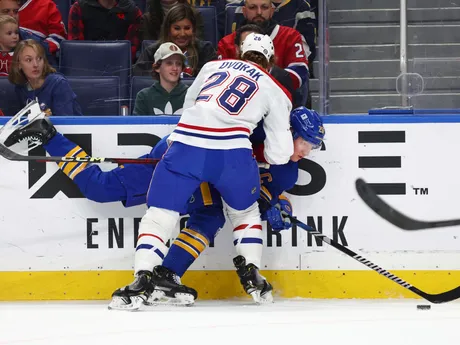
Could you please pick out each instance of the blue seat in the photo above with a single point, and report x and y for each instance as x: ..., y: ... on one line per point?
x: 230, y: 18
x: 98, y: 58
x: 97, y: 95
x: 9, y: 102
x: 147, y: 43
x: 210, y: 23
x: 139, y: 83
x: 64, y: 8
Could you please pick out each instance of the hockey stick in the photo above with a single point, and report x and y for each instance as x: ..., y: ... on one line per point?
x: 433, y: 298
x: 393, y: 216
x: 13, y: 156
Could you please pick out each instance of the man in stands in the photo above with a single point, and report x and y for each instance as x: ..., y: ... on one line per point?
x: 105, y: 20
x: 289, y: 44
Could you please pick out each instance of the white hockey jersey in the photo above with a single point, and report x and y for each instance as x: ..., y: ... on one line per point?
x: 226, y: 102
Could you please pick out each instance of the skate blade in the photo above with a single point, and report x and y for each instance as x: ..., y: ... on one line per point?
x: 267, y: 298
x: 159, y: 297
x: 118, y: 303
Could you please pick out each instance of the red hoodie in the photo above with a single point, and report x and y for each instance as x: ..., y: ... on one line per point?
x: 43, y: 18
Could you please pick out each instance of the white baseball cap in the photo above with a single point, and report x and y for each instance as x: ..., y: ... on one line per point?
x: 258, y: 43
x: 166, y: 50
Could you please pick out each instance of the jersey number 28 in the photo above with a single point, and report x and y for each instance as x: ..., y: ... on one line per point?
x: 234, y: 96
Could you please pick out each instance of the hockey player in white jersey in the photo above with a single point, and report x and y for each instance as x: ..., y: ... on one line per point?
x: 211, y: 144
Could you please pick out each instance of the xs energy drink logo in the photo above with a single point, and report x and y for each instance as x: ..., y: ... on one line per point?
x: 59, y: 182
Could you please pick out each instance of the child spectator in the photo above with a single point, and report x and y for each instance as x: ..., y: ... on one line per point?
x: 166, y: 96
x: 152, y: 20
x: 105, y: 20
x: 35, y: 78
x: 44, y: 19
x: 9, y: 37
x: 179, y: 27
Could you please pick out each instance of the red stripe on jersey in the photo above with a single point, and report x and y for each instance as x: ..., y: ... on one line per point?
x: 256, y: 227
x: 209, y: 129
x: 141, y: 235
x: 240, y: 227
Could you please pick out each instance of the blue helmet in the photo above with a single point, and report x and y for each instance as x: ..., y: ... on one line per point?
x: 308, y: 125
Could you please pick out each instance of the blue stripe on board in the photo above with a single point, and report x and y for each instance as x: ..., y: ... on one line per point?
x: 172, y: 120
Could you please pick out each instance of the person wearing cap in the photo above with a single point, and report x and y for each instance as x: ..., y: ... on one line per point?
x: 166, y: 95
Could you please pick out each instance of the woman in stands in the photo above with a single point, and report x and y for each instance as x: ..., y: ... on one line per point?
x: 35, y: 78
x: 154, y: 17
x: 166, y: 96
x: 179, y: 27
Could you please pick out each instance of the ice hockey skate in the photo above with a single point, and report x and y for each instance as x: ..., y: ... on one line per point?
x: 168, y: 289
x: 133, y: 296
x: 253, y: 282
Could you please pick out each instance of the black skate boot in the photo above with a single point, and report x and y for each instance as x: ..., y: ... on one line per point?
x: 253, y: 282
x: 168, y: 289
x: 37, y: 132
x: 131, y: 297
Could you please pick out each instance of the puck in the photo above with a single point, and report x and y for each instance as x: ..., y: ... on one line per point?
x: 424, y: 307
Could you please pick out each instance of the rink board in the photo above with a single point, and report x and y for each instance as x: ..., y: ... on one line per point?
x: 54, y: 244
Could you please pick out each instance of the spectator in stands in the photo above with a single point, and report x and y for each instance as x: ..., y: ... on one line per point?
x: 9, y: 38
x: 35, y: 78
x: 179, y: 27
x: 43, y: 18
x: 166, y: 96
x: 297, y: 14
x: 106, y: 20
x: 289, y: 46
x: 152, y: 20
x: 281, y: 75
x: 11, y: 8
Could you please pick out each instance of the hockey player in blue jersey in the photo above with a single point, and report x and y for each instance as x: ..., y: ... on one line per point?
x: 129, y: 184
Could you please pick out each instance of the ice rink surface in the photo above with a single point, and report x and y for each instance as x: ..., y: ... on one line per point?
x: 309, y: 322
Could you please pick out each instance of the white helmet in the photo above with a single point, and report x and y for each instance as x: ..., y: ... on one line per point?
x: 258, y: 43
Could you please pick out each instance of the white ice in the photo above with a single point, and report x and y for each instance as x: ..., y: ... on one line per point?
x: 309, y: 322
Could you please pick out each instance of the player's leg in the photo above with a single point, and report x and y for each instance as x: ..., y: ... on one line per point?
x: 169, y: 191
x: 240, y: 188
x: 201, y: 228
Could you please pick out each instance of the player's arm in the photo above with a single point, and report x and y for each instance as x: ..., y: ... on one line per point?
x: 273, y: 205
x: 194, y: 90
x: 128, y: 184
x: 278, y: 144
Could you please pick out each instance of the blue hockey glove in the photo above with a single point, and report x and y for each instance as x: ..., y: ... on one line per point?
x: 278, y: 215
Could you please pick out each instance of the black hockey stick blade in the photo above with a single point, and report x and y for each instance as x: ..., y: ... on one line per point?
x: 442, y: 297
x: 13, y: 156
x: 392, y: 215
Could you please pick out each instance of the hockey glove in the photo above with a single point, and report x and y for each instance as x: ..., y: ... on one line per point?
x: 278, y: 215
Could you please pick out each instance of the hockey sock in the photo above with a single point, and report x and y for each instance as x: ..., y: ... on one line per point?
x: 61, y: 146
x: 185, y: 250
